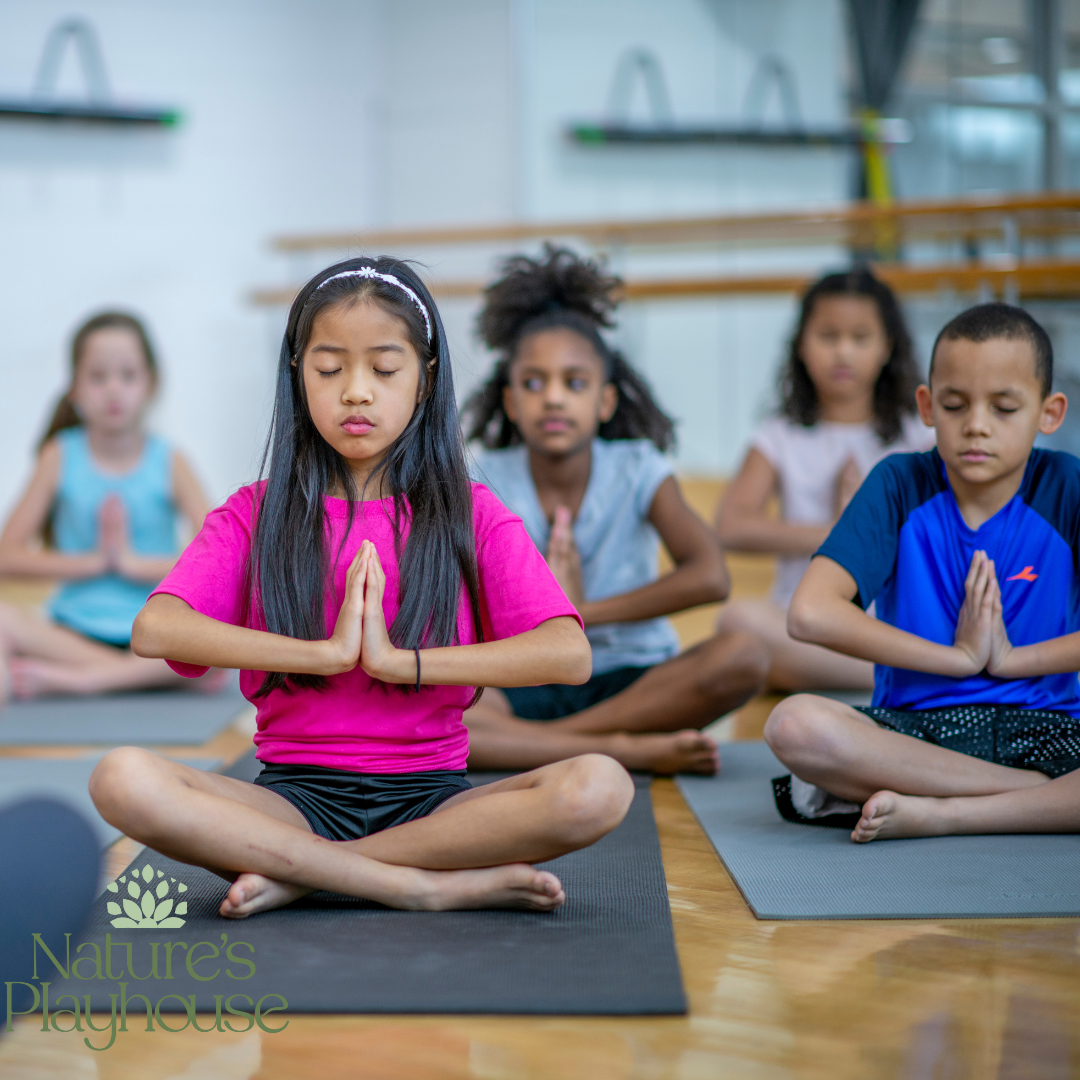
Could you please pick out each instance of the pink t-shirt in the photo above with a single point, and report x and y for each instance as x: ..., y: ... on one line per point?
x: 357, y: 723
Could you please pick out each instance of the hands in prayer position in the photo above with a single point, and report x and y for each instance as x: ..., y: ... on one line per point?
x: 848, y: 481
x: 980, y: 629
x: 114, y: 543
x: 360, y: 635
x: 563, y: 557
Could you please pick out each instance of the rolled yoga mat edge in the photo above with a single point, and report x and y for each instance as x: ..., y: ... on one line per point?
x: 798, y: 872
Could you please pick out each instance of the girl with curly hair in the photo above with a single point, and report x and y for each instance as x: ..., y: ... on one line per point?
x: 573, y: 442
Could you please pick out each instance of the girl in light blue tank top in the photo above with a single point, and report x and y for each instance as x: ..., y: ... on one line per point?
x: 105, y: 607
x: 106, y: 497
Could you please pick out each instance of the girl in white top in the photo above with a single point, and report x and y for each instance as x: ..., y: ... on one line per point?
x: 848, y: 401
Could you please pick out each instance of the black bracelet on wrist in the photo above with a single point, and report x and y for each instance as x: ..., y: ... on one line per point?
x: 417, y: 651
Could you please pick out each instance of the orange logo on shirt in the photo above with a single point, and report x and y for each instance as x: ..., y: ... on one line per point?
x: 1024, y: 575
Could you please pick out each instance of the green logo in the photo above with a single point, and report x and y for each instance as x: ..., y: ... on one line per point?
x: 146, y: 907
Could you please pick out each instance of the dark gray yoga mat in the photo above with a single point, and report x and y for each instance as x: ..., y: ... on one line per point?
x: 149, y: 718
x: 609, y: 950
x: 64, y: 779
x: 788, y: 871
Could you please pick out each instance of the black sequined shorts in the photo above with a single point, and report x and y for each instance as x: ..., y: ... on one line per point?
x: 1038, y: 739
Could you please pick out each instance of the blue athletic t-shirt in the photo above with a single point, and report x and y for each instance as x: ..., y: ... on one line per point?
x: 903, y: 540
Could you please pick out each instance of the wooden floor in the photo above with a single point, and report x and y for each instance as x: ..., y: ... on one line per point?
x: 914, y: 1000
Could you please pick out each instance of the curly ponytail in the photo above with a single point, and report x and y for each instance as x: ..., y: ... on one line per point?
x: 558, y: 291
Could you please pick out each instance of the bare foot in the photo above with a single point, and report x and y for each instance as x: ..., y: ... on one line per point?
x: 888, y: 816
x: 252, y: 893
x: 38, y: 678
x: 679, y: 751
x: 516, y: 885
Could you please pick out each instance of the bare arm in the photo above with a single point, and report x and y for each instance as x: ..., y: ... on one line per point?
x: 699, y: 577
x: 555, y: 651
x: 189, y: 497
x: 822, y: 612
x: 742, y: 520
x: 19, y: 549
x: 188, y: 493
x: 1050, y: 657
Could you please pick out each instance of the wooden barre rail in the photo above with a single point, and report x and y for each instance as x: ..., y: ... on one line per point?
x: 857, y: 224
x: 1031, y: 279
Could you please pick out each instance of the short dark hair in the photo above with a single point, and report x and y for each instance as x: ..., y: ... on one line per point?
x: 985, y: 322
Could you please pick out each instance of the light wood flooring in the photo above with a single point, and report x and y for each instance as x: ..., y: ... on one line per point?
x: 896, y: 1000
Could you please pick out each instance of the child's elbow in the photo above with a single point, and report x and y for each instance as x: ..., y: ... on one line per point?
x: 717, y: 583
x: 578, y: 660
x: 146, y: 638
x: 803, y: 623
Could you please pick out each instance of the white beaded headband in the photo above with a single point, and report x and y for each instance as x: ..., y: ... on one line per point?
x: 371, y: 272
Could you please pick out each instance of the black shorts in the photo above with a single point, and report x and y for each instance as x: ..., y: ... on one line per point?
x: 341, y: 805
x: 1038, y: 739
x: 554, y: 701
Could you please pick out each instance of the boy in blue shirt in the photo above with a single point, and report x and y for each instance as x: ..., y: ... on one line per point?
x: 971, y: 554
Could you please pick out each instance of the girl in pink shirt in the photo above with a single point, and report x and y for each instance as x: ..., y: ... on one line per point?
x: 365, y: 589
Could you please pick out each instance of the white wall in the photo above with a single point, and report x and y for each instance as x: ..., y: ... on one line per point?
x: 331, y: 114
x: 711, y: 363
x: 483, y: 140
x: 279, y: 102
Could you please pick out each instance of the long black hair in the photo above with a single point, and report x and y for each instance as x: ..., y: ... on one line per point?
x: 894, y: 391
x: 557, y: 291
x: 423, y: 469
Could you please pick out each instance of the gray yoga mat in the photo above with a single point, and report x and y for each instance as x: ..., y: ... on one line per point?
x: 788, y: 871
x: 608, y: 950
x: 64, y: 779
x: 153, y: 717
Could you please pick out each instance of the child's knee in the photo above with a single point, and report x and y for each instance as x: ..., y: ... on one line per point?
x: 591, y: 798
x: 121, y: 779
x: 737, y: 616
x: 11, y: 618
x: 737, y: 660
x: 793, y: 727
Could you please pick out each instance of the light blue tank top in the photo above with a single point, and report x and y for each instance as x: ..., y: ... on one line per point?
x: 105, y: 607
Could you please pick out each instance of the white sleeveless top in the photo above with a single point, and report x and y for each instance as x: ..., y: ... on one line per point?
x: 808, y: 461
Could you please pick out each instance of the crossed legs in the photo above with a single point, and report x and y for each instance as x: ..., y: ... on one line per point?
x: 40, y: 657
x: 473, y: 851
x: 909, y: 787
x: 651, y: 725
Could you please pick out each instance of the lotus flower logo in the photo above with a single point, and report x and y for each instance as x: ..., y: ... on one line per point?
x: 147, y: 906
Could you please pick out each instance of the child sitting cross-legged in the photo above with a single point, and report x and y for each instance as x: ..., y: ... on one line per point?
x: 970, y: 552
x: 365, y: 589
x: 573, y: 443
